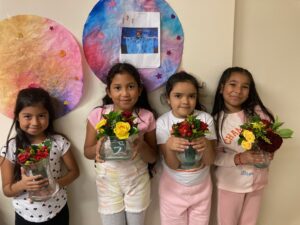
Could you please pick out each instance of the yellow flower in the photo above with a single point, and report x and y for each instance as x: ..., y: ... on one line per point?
x: 122, y: 130
x: 100, y: 124
x: 246, y: 145
x: 249, y: 136
x: 258, y: 125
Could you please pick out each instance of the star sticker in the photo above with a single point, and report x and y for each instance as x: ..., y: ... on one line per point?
x: 158, y: 75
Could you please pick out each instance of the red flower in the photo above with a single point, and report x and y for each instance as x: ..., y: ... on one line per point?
x: 22, y: 157
x: 127, y: 114
x: 275, y: 140
x: 185, y: 129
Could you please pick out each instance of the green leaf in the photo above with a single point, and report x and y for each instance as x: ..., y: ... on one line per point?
x: 285, y: 133
x: 276, y: 125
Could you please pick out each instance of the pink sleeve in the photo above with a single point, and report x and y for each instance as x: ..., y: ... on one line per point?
x: 95, y: 116
x: 146, y: 121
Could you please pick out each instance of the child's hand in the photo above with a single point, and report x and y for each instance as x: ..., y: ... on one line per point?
x: 177, y: 144
x: 33, y: 183
x: 199, y: 144
x: 98, y: 149
x: 270, y: 155
x: 252, y: 157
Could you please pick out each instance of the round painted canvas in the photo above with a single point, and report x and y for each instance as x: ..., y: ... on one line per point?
x: 103, y: 31
x: 39, y: 52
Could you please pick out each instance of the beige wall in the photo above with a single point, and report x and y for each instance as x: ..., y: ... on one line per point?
x: 267, y: 35
x: 264, y: 41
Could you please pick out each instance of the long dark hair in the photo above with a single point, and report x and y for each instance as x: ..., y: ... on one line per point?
x: 29, y: 97
x: 248, y: 106
x: 126, y: 68
x: 184, y: 77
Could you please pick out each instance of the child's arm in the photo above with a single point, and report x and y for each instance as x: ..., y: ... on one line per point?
x: 11, y: 188
x: 147, y: 147
x: 173, y: 145
x: 249, y: 158
x: 91, y: 146
x: 72, y: 167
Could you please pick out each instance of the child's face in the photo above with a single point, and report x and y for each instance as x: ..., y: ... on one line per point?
x: 182, y: 99
x: 124, y: 92
x: 235, y: 91
x: 34, y: 120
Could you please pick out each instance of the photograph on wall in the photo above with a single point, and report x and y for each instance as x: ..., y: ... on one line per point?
x: 140, y: 39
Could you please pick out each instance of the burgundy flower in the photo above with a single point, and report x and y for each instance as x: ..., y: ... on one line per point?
x: 275, y: 140
x: 267, y: 123
x: 203, y: 126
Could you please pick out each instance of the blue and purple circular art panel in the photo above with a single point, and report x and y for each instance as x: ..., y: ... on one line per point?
x: 102, y: 38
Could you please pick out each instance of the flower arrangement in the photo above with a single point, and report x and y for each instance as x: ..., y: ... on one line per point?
x: 190, y: 128
x: 118, y: 124
x: 263, y: 134
x: 34, y: 153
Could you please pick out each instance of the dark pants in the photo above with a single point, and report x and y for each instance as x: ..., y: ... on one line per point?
x: 62, y: 218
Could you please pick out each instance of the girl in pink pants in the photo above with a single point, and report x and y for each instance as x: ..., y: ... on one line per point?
x: 185, y: 195
x: 240, y: 184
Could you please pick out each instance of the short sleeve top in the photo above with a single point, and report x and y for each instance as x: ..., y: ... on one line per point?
x: 41, y: 211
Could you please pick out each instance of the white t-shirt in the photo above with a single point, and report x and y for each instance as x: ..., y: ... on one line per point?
x: 42, y: 211
x: 163, y: 132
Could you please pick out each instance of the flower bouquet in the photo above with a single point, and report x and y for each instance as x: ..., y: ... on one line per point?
x: 35, y: 161
x: 120, y: 131
x: 191, y: 128
x: 262, y: 135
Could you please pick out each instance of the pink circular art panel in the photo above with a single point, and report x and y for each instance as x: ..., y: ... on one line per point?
x: 36, y: 51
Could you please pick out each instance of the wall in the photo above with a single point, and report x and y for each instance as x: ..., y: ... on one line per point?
x: 265, y: 40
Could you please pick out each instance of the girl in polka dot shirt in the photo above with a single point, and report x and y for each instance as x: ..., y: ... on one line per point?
x: 33, y: 122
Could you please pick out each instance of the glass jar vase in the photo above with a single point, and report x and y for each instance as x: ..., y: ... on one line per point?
x: 266, y: 162
x: 116, y: 149
x: 42, y: 168
x: 189, y: 158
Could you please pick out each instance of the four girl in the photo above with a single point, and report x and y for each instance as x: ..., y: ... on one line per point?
x: 123, y: 187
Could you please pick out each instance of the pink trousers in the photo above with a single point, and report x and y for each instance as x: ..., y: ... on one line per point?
x: 184, y: 205
x: 238, y: 208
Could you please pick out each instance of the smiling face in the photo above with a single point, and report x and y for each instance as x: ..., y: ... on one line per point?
x: 235, y: 91
x: 34, y: 120
x: 124, y: 92
x: 182, y: 99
